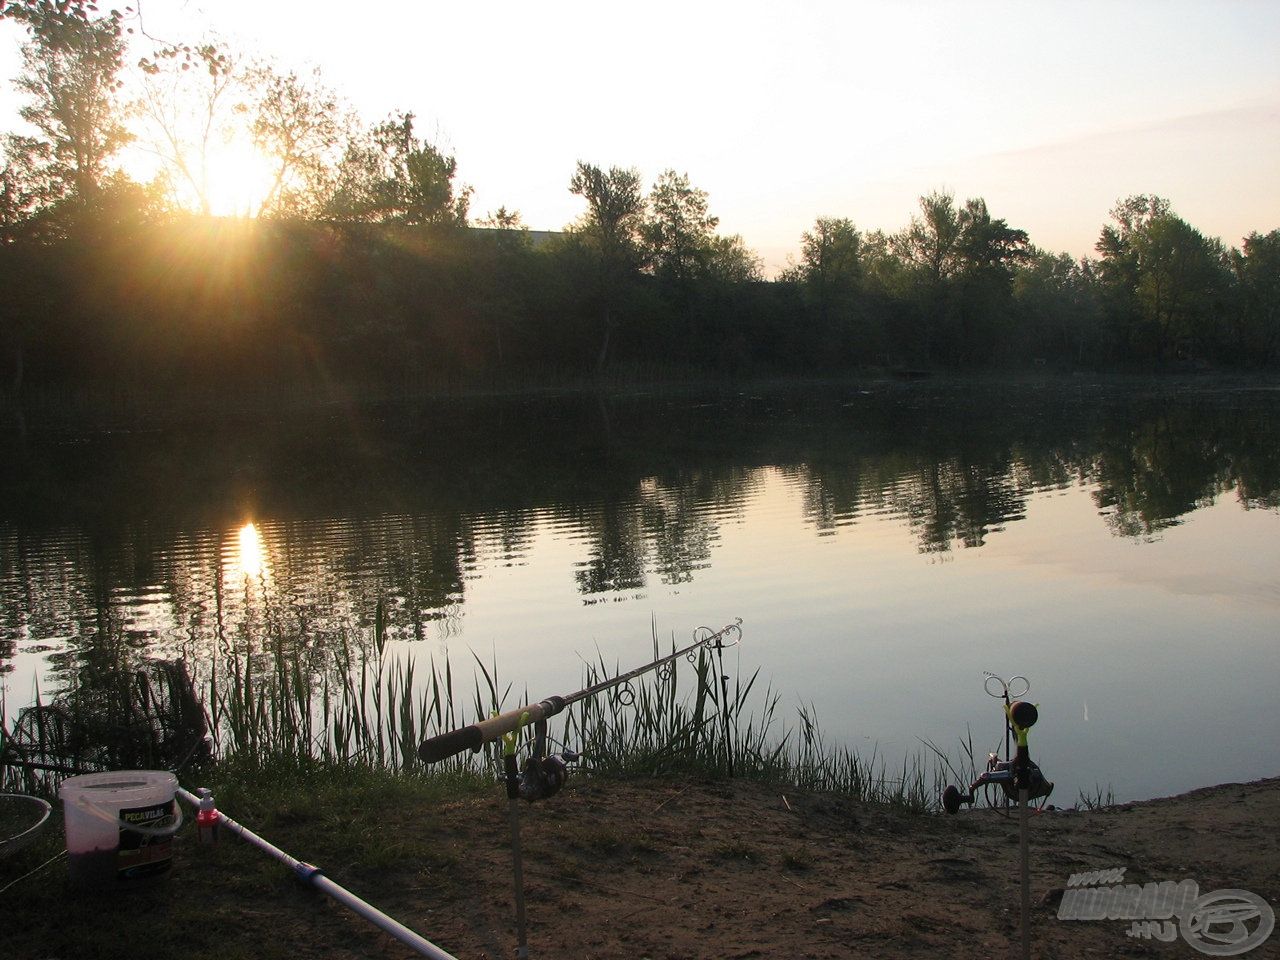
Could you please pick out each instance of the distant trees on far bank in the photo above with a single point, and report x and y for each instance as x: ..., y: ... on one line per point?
x: 959, y: 288
x: 358, y: 260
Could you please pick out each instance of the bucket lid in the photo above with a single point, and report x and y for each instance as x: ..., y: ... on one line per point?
x: 119, y: 785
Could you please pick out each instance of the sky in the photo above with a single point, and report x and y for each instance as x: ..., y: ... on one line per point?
x: 785, y: 112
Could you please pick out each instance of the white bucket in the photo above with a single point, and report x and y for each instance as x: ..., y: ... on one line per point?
x: 120, y: 824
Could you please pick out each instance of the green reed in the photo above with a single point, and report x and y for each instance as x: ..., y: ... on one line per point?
x: 373, y: 709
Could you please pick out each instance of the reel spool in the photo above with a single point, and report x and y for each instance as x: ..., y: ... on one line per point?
x: 543, y: 775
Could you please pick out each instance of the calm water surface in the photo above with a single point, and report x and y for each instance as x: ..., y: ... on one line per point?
x: 885, y: 544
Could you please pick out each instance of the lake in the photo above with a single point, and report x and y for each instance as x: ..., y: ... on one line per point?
x: 884, y: 543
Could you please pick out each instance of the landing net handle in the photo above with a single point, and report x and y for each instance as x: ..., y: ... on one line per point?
x: 473, y: 737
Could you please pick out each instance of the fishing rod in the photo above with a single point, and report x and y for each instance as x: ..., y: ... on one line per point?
x: 476, y: 735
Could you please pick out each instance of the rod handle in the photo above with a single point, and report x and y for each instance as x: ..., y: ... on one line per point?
x: 446, y: 745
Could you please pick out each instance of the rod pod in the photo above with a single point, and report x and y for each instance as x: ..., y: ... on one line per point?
x: 512, y: 773
x: 1021, y: 716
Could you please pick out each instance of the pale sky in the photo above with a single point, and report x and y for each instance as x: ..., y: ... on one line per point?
x: 1052, y: 111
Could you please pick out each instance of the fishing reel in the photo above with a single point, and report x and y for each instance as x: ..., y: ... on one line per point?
x: 542, y: 775
x: 999, y: 773
x: 1015, y: 772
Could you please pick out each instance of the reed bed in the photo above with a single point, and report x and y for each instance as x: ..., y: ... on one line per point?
x: 374, y: 711
x: 365, y: 707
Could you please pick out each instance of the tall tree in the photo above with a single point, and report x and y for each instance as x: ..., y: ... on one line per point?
x: 830, y: 263
x: 928, y: 250
x: 1256, y: 271
x: 70, y: 77
x: 828, y: 279
x: 610, y: 229
x: 296, y: 123
x: 388, y: 175
x: 989, y: 248
x: 678, y: 231
x: 500, y: 268
x: 1119, y: 267
x: 883, y: 272
x: 1163, y: 277
x: 1057, y: 305
x: 988, y: 252
x: 188, y: 112
x: 929, y: 243
x: 26, y: 189
x: 730, y: 260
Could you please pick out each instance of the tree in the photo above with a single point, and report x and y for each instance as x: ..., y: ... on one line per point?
x: 188, y: 112
x: 882, y: 271
x: 610, y: 230
x: 928, y: 250
x: 500, y: 276
x: 615, y: 212
x: 504, y: 219
x: 929, y: 243
x: 1256, y: 272
x: 678, y: 233
x: 296, y: 125
x: 1057, y: 306
x: 730, y: 260
x: 828, y: 279
x: 959, y: 264
x: 830, y: 264
x: 1132, y: 216
x: 387, y: 175
x: 1180, y: 279
x: 70, y: 77
x: 1163, y: 277
x: 987, y: 251
x: 26, y: 189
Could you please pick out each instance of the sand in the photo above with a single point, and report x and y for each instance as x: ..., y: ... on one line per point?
x: 733, y: 869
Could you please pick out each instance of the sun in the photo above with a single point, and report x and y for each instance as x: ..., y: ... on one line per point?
x: 239, y: 180
x: 228, y: 178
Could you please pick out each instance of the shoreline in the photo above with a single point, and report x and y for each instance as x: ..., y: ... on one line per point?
x: 661, y: 868
x: 108, y: 403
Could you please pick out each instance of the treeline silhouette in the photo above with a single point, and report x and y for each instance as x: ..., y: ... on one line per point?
x: 226, y: 305
x: 361, y: 265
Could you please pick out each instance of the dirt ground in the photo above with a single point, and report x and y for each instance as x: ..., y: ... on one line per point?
x: 670, y: 869
x: 732, y: 869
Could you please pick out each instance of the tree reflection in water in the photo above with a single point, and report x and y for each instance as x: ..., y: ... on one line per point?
x: 128, y: 546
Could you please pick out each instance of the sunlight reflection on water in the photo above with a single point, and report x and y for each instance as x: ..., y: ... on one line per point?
x: 877, y: 575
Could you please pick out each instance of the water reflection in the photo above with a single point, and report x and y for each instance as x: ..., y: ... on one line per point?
x: 124, y: 546
x: 956, y: 473
x: 250, y: 560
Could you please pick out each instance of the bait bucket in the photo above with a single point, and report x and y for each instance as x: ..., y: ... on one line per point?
x: 120, y: 825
